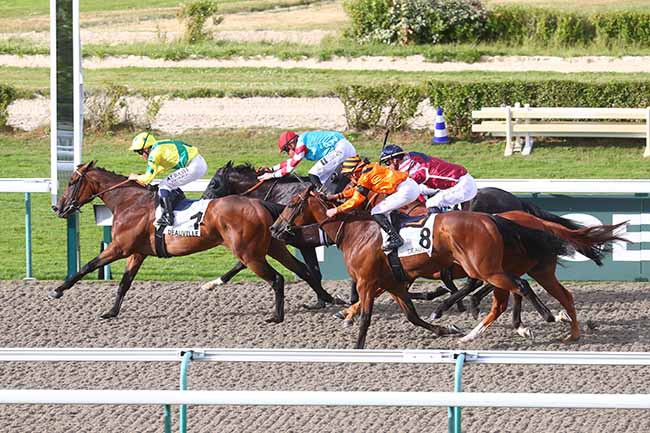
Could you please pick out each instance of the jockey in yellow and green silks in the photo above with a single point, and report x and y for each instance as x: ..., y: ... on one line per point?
x: 163, y: 156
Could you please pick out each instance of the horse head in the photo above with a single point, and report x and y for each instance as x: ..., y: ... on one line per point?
x: 219, y: 185
x: 77, y: 193
x: 292, y: 215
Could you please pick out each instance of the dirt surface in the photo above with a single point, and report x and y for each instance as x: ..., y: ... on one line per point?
x: 613, y: 318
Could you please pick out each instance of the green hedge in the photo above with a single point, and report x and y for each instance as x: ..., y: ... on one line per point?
x: 7, y: 95
x: 448, y: 21
x: 459, y: 98
x: 516, y: 25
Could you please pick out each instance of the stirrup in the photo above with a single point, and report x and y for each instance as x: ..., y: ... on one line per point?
x: 392, y: 244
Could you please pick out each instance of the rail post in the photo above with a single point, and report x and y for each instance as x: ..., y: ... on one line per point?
x: 28, y: 236
x: 454, y: 413
x: 185, y: 364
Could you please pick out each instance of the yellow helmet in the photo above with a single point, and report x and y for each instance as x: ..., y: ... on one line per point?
x: 143, y: 140
x: 352, y: 164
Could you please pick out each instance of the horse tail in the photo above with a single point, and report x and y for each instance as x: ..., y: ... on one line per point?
x: 538, y: 244
x: 592, y: 242
x: 537, y: 211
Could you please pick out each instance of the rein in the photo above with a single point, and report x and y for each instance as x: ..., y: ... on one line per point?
x: 117, y: 185
x: 253, y: 188
x: 339, y: 232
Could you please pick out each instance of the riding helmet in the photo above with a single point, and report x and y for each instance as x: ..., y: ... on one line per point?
x: 352, y: 164
x: 143, y: 140
x: 286, y: 138
x: 389, y: 152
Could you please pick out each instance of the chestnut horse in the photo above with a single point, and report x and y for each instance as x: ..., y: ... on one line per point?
x: 239, y: 223
x: 475, y: 241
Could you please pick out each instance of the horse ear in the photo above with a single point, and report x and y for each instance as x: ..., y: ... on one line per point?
x: 92, y: 163
x: 229, y: 164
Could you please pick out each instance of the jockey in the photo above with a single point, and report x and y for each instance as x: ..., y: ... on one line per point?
x: 166, y: 155
x: 445, y: 183
x: 399, y: 190
x: 329, y: 148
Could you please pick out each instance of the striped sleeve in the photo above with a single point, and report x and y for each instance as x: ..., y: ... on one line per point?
x: 286, y: 167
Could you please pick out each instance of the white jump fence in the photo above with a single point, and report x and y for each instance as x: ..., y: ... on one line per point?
x: 453, y: 400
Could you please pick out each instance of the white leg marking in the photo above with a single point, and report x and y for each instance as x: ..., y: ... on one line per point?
x: 478, y: 330
x: 525, y: 332
x: 563, y: 316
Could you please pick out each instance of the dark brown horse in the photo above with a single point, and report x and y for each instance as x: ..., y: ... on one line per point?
x: 238, y: 223
x: 474, y: 241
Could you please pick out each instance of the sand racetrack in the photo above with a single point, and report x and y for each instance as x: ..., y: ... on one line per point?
x: 613, y: 318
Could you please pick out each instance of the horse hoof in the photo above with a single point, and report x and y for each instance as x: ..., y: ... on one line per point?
x: 339, y: 301
x: 318, y: 305
x: 466, y: 339
x: 55, y: 294
x: 525, y: 332
x: 563, y: 316
x: 348, y: 323
x: 109, y: 315
x: 453, y: 329
x: 339, y: 315
x: 460, y: 305
x: 212, y: 284
x: 273, y: 319
x: 435, y: 315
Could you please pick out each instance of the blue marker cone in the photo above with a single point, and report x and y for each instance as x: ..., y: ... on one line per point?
x: 440, y: 134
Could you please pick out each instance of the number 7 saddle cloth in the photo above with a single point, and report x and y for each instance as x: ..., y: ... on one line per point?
x: 188, y: 216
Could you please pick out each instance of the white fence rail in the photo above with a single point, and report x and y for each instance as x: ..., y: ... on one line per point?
x: 325, y: 398
x: 343, y: 398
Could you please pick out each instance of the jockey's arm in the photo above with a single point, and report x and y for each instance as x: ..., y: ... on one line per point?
x: 425, y: 190
x: 357, y: 197
x: 286, y: 167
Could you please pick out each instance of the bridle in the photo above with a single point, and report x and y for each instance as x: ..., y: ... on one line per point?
x: 74, y: 205
x: 299, y: 205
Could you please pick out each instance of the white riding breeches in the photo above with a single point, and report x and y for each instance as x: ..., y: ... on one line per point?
x: 327, y: 165
x: 194, y: 170
x: 463, y: 191
x: 407, y: 192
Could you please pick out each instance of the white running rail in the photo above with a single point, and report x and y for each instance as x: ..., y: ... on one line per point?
x: 530, y: 400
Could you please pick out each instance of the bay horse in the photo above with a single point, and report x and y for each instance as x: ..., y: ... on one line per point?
x: 241, y: 224
x: 474, y: 241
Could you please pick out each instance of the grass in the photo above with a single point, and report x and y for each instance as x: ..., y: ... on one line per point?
x: 27, y: 155
x: 585, y: 6
x: 202, y: 82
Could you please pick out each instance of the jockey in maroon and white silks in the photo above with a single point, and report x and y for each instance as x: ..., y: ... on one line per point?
x: 445, y: 184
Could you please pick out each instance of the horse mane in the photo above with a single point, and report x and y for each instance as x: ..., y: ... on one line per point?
x: 149, y: 188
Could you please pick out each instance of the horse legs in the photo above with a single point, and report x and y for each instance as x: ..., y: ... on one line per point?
x: 445, y: 305
x: 109, y: 255
x: 499, y: 305
x: 262, y: 269
x: 367, y: 300
x: 406, y: 304
x: 279, y: 251
x: 507, y: 283
x: 547, y: 279
x: 475, y: 300
x: 516, y: 318
x: 354, y: 295
x: 225, y: 277
x: 133, y: 264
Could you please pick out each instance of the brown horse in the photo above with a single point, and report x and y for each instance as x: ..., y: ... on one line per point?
x: 239, y: 223
x: 474, y: 241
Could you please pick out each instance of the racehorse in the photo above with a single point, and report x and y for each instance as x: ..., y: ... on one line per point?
x: 239, y: 223
x: 474, y: 241
x: 592, y: 242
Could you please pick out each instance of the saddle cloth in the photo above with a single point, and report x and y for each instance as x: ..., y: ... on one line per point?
x: 418, y: 239
x: 188, y: 216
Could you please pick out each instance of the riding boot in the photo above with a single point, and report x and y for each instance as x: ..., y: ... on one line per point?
x: 435, y: 209
x: 394, y: 240
x: 167, y: 214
